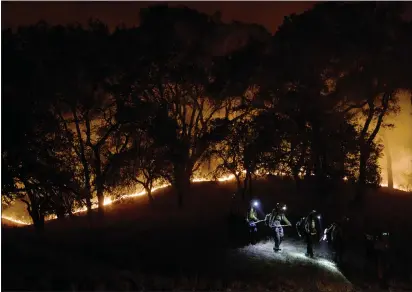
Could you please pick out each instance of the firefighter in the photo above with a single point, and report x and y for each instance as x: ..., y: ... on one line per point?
x: 251, y: 219
x: 335, y: 236
x: 377, y: 250
x: 274, y: 221
x: 300, y: 227
x: 310, y: 229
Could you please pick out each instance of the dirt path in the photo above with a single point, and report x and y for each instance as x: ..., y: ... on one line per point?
x: 170, y: 265
x: 289, y: 269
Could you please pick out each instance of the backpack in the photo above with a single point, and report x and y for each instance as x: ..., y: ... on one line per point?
x: 310, y: 226
x: 275, y: 217
x: 330, y: 233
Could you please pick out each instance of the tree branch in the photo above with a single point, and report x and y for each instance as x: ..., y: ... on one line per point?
x: 385, y: 104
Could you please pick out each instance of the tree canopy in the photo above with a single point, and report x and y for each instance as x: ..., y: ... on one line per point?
x: 93, y: 112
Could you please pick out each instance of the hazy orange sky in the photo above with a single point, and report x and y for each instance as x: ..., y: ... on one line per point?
x: 268, y: 14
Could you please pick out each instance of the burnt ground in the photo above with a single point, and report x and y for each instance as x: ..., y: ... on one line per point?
x: 138, y: 248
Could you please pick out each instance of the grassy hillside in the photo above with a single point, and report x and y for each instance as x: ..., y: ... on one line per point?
x: 164, y: 247
x: 5, y: 223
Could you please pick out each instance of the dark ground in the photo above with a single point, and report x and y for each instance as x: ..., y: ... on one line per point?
x: 136, y: 248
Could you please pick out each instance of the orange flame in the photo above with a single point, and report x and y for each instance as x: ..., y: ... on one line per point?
x: 14, y: 220
x: 109, y: 201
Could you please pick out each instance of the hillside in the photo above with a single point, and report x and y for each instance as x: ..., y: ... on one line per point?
x: 6, y: 223
x: 166, y: 247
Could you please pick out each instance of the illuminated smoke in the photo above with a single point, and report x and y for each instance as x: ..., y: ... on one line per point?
x: 400, y: 146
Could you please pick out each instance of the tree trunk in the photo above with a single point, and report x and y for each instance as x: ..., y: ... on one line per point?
x: 149, y: 195
x: 250, y: 185
x: 100, y: 200
x: 60, y: 214
x: 388, y: 161
x: 38, y: 219
x: 99, y: 180
x: 364, y: 150
x: 364, y: 144
x: 181, y: 184
x: 35, y: 212
x: 317, y: 156
x: 247, y: 185
x: 89, y: 205
x: 238, y: 183
x: 297, y: 179
x: 85, y: 164
x: 364, y: 156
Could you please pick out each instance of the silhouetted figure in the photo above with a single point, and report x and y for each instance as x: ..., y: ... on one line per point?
x: 336, y: 237
x: 274, y: 221
x: 377, y: 255
x: 300, y: 227
x: 310, y: 230
x: 251, y: 219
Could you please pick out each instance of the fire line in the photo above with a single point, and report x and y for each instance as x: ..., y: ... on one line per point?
x: 109, y: 201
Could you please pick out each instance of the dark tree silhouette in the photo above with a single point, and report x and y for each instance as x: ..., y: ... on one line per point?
x: 142, y: 164
x: 175, y: 75
x: 105, y: 111
x: 32, y: 171
x: 84, y: 106
x: 369, y: 72
x: 327, y: 68
x: 232, y: 157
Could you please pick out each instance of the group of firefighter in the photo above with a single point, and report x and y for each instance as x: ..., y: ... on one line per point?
x: 308, y: 227
x: 276, y: 220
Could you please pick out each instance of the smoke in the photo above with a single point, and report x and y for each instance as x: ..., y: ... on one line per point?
x: 398, y: 144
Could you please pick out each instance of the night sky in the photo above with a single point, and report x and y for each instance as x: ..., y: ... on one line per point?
x: 268, y: 14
